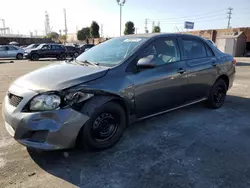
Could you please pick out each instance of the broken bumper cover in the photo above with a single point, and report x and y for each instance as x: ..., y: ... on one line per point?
x: 50, y: 130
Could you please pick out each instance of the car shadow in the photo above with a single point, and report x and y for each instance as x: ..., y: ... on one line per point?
x: 5, y: 62
x: 241, y: 64
x: 162, y: 151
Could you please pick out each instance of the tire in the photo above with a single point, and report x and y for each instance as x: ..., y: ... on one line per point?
x: 34, y: 57
x: 110, y: 116
x: 217, y: 94
x: 62, y: 56
x: 19, y: 56
x: 75, y: 55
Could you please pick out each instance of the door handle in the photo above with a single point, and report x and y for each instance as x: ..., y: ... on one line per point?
x: 181, y: 70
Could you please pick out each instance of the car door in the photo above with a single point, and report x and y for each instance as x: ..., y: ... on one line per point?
x: 160, y: 88
x: 12, y: 51
x: 3, y: 52
x: 45, y: 51
x: 55, y: 50
x: 201, y: 67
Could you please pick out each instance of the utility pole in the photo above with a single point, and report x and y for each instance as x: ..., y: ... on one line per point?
x: 153, y: 25
x: 159, y: 24
x: 121, y: 4
x: 229, y: 17
x: 101, y: 30
x: 136, y: 29
x: 47, y: 24
x: 65, y: 22
x: 146, y: 25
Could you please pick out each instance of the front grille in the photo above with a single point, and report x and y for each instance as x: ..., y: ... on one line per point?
x: 14, y: 100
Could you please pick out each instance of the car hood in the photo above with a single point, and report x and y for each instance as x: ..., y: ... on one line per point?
x: 29, y: 50
x: 60, y: 76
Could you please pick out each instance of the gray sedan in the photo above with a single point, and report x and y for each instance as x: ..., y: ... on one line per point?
x: 91, y: 99
x: 10, y: 51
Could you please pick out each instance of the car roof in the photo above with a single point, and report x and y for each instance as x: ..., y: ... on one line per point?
x: 156, y: 35
x: 50, y: 44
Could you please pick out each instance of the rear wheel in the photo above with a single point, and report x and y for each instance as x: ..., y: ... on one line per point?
x: 62, y: 56
x: 217, y: 94
x: 75, y: 54
x: 19, y: 56
x: 104, y: 128
x: 34, y: 57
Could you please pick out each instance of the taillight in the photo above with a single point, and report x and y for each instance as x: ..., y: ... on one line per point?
x: 234, y: 62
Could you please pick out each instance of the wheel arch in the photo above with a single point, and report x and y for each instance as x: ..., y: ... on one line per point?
x: 225, y: 78
x: 97, y: 101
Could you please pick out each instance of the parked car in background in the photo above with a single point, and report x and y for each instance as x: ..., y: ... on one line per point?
x: 92, y: 99
x: 72, y: 51
x: 10, y: 51
x: 31, y: 46
x: 85, y: 47
x: 47, y: 51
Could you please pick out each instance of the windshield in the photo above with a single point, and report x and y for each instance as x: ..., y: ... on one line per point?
x: 111, y: 52
x: 31, y: 46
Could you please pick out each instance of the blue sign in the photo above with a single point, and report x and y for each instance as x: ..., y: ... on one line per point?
x: 189, y: 25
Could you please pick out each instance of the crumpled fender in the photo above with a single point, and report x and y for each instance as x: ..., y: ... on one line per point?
x: 97, y: 101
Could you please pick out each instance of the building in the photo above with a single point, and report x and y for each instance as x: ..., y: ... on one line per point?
x: 234, y: 33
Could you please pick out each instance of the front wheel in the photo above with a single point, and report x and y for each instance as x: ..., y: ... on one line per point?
x: 19, y: 56
x: 217, y: 94
x: 34, y: 57
x: 104, y: 128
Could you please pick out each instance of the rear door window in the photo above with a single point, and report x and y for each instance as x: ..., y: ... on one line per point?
x: 12, y: 48
x: 193, y: 48
x: 57, y: 47
x: 210, y: 53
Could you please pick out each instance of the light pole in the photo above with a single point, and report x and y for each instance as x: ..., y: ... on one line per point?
x: 121, y: 3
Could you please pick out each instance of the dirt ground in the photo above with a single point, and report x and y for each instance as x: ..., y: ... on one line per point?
x: 192, y: 147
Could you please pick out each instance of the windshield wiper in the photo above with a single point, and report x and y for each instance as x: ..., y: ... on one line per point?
x: 83, y: 62
x: 90, y: 63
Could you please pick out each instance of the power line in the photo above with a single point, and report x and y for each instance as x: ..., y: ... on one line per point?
x: 190, y: 16
x: 229, y: 17
x: 181, y: 22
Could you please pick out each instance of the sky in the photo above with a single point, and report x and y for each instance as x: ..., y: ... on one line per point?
x: 25, y: 16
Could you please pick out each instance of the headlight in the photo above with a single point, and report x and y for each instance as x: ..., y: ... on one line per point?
x: 77, y: 97
x: 45, y: 102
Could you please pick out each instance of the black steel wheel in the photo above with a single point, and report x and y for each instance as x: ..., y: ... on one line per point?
x: 217, y: 94
x: 104, y: 128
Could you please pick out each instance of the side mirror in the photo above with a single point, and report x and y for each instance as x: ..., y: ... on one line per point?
x: 146, y: 62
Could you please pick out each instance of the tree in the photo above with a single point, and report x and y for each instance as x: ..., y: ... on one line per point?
x: 63, y: 38
x: 83, y: 34
x: 53, y: 35
x: 129, y: 28
x: 94, y: 30
x: 156, y: 29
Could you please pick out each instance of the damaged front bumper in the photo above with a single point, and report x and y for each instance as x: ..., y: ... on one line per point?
x: 50, y: 130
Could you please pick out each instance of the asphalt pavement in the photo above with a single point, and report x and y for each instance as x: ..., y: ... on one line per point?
x: 192, y: 147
